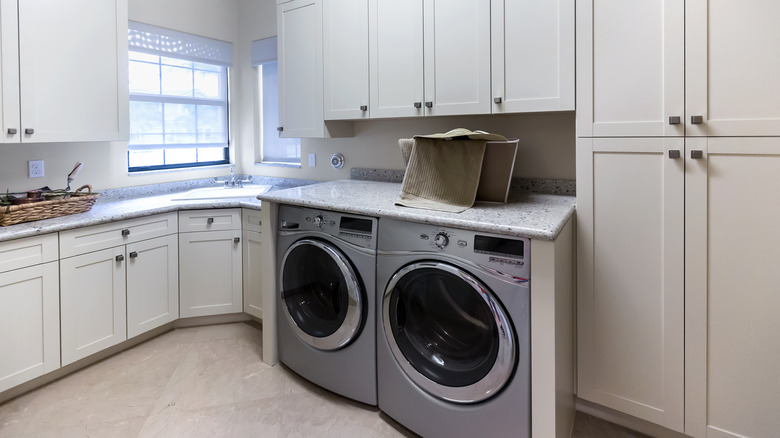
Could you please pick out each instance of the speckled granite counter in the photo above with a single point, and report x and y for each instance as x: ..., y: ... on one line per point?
x: 537, y: 216
x: 110, y: 211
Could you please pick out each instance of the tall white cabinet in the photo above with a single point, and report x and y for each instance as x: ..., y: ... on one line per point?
x: 677, y: 163
x: 87, y: 42
x: 29, y: 309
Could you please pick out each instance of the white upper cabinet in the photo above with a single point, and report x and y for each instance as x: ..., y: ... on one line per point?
x: 457, y: 57
x: 345, y: 53
x: 299, y: 24
x: 732, y: 67
x: 9, y: 69
x: 66, y: 79
x: 396, y: 58
x: 532, y: 45
x: 630, y: 68
x: 429, y: 58
x: 301, y: 114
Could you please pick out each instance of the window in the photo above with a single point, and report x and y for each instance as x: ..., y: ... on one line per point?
x: 178, y: 99
x: 273, y: 148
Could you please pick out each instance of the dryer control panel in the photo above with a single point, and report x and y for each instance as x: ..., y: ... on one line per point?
x: 508, y: 255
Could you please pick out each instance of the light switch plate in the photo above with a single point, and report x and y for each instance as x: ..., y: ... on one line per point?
x: 312, y: 160
x: 35, y: 168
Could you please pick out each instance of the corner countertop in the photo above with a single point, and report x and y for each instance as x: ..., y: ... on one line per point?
x: 532, y: 215
x: 114, y: 210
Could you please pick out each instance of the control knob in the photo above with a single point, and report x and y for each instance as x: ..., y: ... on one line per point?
x: 318, y: 221
x: 441, y: 240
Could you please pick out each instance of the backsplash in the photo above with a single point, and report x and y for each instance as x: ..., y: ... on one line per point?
x: 534, y: 185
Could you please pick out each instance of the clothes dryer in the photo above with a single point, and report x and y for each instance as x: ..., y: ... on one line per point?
x: 453, y: 341
x: 326, y: 308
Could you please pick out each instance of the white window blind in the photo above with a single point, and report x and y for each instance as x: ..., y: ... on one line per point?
x: 168, y: 42
x: 178, y: 99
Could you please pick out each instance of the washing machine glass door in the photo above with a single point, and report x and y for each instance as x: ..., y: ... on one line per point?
x: 321, y: 294
x: 448, y: 332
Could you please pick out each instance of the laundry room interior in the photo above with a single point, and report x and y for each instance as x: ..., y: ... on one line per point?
x: 435, y: 218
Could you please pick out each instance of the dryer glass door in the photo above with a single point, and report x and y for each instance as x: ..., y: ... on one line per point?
x: 448, y: 332
x: 322, y: 294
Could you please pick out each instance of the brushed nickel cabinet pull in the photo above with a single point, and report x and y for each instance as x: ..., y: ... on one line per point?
x: 674, y: 153
x: 697, y: 154
x: 674, y: 120
x: 697, y: 120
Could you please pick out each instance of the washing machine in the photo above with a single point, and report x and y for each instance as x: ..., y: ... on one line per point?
x: 326, y: 322
x: 453, y: 331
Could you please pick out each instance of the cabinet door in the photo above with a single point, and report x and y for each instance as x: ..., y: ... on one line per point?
x: 73, y: 65
x: 630, y: 205
x: 345, y: 53
x: 256, y: 264
x: 396, y: 58
x: 210, y: 273
x: 9, y: 72
x: 92, y: 300
x: 630, y: 68
x: 457, y: 57
x: 732, y: 249
x: 299, y: 26
x: 152, y: 284
x: 29, y: 323
x: 731, y: 68
x: 533, y: 55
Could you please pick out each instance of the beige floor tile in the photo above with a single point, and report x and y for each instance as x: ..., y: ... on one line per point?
x: 205, y: 382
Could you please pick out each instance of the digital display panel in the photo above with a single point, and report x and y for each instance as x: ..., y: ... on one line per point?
x: 355, y: 224
x: 499, y: 246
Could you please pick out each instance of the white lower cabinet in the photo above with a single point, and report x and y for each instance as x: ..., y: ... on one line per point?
x: 92, y: 302
x: 110, y: 292
x: 210, y: 263
x: 731, y: 292
x: 630, y: 210
x: 255, y: 262
x: 29, y: 310
x: 152, y: 284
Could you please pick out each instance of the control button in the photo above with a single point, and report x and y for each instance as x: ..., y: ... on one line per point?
x: 441, y: 240
x: 462, y: 243
x: 318, y: 221
x: 424, y: 236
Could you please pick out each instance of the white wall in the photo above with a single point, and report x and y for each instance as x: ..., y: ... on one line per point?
x: 547, y: 140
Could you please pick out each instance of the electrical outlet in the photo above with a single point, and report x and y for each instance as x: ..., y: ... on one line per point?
x: 35, y: 168
x: 312, y: 160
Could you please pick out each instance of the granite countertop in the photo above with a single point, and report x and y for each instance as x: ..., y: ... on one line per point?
x: 111, y: 210
x: 532, y: 215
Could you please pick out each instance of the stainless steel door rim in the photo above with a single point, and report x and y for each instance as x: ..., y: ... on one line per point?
x: 350, y: 326
x: 503, y: 365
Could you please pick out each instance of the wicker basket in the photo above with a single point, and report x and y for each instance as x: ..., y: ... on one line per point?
x: 76, y: 203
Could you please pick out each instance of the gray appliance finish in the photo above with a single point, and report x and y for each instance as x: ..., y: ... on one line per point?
x: 453, y: 330
x: 326, y: 307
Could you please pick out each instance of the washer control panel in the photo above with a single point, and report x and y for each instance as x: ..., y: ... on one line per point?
x: 358, y: 230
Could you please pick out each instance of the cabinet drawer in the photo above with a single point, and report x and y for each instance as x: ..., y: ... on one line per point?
x: 30, y: 251
x: 251, y: 220
x: 210, y: 220
x: 95, y: 238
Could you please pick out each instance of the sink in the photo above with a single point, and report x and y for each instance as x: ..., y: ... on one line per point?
x: 248, y: 191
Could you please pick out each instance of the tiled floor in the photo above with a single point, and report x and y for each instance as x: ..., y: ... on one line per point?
x: 203, y: 382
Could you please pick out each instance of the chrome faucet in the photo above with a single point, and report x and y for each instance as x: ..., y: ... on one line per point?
x: 233, y: 182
